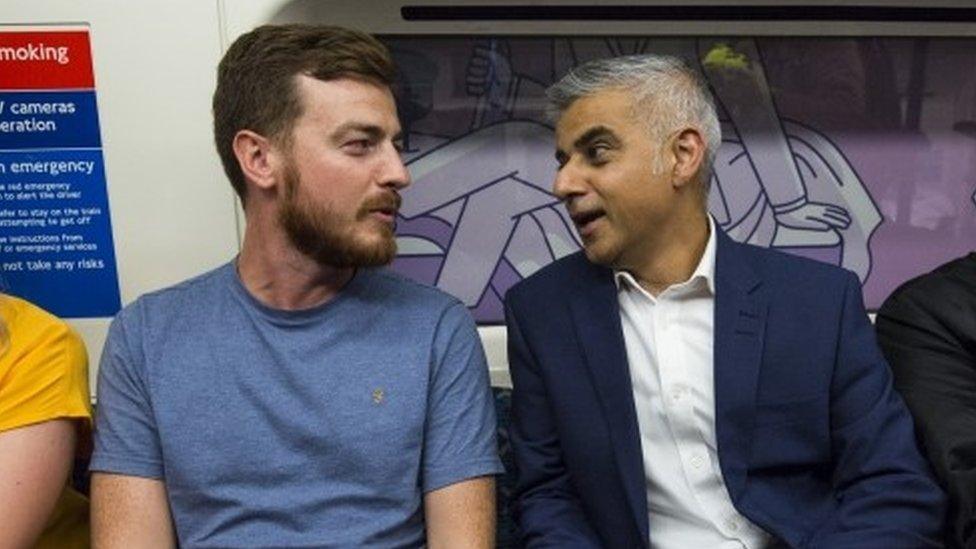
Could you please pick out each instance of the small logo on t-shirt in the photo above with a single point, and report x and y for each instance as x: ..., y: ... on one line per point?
x: 378, y: 396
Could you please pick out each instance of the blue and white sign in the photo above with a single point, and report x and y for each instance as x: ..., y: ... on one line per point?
x: 56, y: 246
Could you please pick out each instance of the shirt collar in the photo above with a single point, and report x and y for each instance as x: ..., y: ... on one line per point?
x: 703, y: 273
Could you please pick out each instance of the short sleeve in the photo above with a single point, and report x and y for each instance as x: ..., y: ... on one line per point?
x: 126, y: 439
x: 460, y: 435
x: 43, y: 373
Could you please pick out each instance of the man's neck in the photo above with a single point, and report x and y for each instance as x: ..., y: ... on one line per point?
x: 281, y: 277
x: 673, y: 255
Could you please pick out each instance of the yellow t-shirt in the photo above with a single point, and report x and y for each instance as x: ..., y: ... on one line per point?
x: 44, y: 376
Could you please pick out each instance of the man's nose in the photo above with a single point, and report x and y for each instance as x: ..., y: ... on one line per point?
x: 394, y: 172
x: 568, y: 182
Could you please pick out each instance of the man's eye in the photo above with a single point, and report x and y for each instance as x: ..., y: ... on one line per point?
x: 597, y: 152
x: 358, y: 146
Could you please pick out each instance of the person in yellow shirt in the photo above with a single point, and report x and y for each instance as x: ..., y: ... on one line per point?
x: 45, y: 419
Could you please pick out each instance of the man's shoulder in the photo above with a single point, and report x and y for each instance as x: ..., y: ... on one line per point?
x: 556, y: 278
x: 793, y: 271
x: 391, y: 289
x: 958, y: 274
x: 412, y: 307
x: 952, y: 282
x: 182, y: 298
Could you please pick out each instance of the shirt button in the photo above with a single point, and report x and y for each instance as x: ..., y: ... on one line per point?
x: 676, y: 393
x: 697, y: 461
x: 732, y: 525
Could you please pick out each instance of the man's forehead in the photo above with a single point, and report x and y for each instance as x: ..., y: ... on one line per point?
x: 348, y: 102
x: 607, y: 109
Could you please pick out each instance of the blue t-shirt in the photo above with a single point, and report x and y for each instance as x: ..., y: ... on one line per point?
x: 313, y: 428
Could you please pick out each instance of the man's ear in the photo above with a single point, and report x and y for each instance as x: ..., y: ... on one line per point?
x: 257, y: 157
x: 688, y: 149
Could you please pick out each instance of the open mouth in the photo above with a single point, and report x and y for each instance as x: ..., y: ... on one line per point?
x: 585, y: 221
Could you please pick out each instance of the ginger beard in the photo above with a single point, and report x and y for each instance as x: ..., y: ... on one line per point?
x: 329, y: 237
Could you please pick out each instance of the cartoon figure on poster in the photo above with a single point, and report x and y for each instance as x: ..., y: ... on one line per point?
x: 481, y: 206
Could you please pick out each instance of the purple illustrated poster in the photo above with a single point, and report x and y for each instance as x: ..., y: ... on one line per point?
x: 860, y: 152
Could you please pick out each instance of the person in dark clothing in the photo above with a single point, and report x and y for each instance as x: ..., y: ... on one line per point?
x: 927, y: 330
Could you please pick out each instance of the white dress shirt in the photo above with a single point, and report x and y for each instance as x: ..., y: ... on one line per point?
x: 669, y: 342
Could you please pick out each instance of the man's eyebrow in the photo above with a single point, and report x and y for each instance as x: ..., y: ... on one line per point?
x: 593, y: 134
x: 588, y: 137
x: 371, y: 130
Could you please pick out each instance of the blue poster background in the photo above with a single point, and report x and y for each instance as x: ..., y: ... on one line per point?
x: 56, y: 246
x: 76, y: 129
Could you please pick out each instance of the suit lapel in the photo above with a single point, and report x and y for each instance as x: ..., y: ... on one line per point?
x: 740, y: 323
x: 596, y: 315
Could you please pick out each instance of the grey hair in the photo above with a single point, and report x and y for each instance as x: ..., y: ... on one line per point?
x: 678, y: 95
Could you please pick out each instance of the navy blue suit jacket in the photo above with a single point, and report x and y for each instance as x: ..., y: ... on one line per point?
x: 814, y: 445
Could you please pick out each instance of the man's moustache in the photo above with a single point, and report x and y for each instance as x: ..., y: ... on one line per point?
x: 389, y: 201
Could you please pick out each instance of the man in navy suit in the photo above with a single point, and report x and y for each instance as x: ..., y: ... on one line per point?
x: 673, y: 388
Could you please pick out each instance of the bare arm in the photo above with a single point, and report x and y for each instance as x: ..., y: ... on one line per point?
x: 461, y: 515
x: 34, y: 464
x: 130, y: 512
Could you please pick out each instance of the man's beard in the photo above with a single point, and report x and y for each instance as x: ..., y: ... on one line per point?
x: 321, y: 236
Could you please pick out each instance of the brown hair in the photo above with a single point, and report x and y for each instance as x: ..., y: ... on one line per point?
x: 256, y: 80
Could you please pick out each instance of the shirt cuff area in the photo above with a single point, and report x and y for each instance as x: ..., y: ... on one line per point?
x: 439, y: 477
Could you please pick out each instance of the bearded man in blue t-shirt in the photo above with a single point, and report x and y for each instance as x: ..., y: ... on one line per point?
x: 296, y: 396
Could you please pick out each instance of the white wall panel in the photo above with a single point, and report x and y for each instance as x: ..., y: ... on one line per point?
x: 172, y: 210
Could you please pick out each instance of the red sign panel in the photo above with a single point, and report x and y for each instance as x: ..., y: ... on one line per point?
x: 45, y: 60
